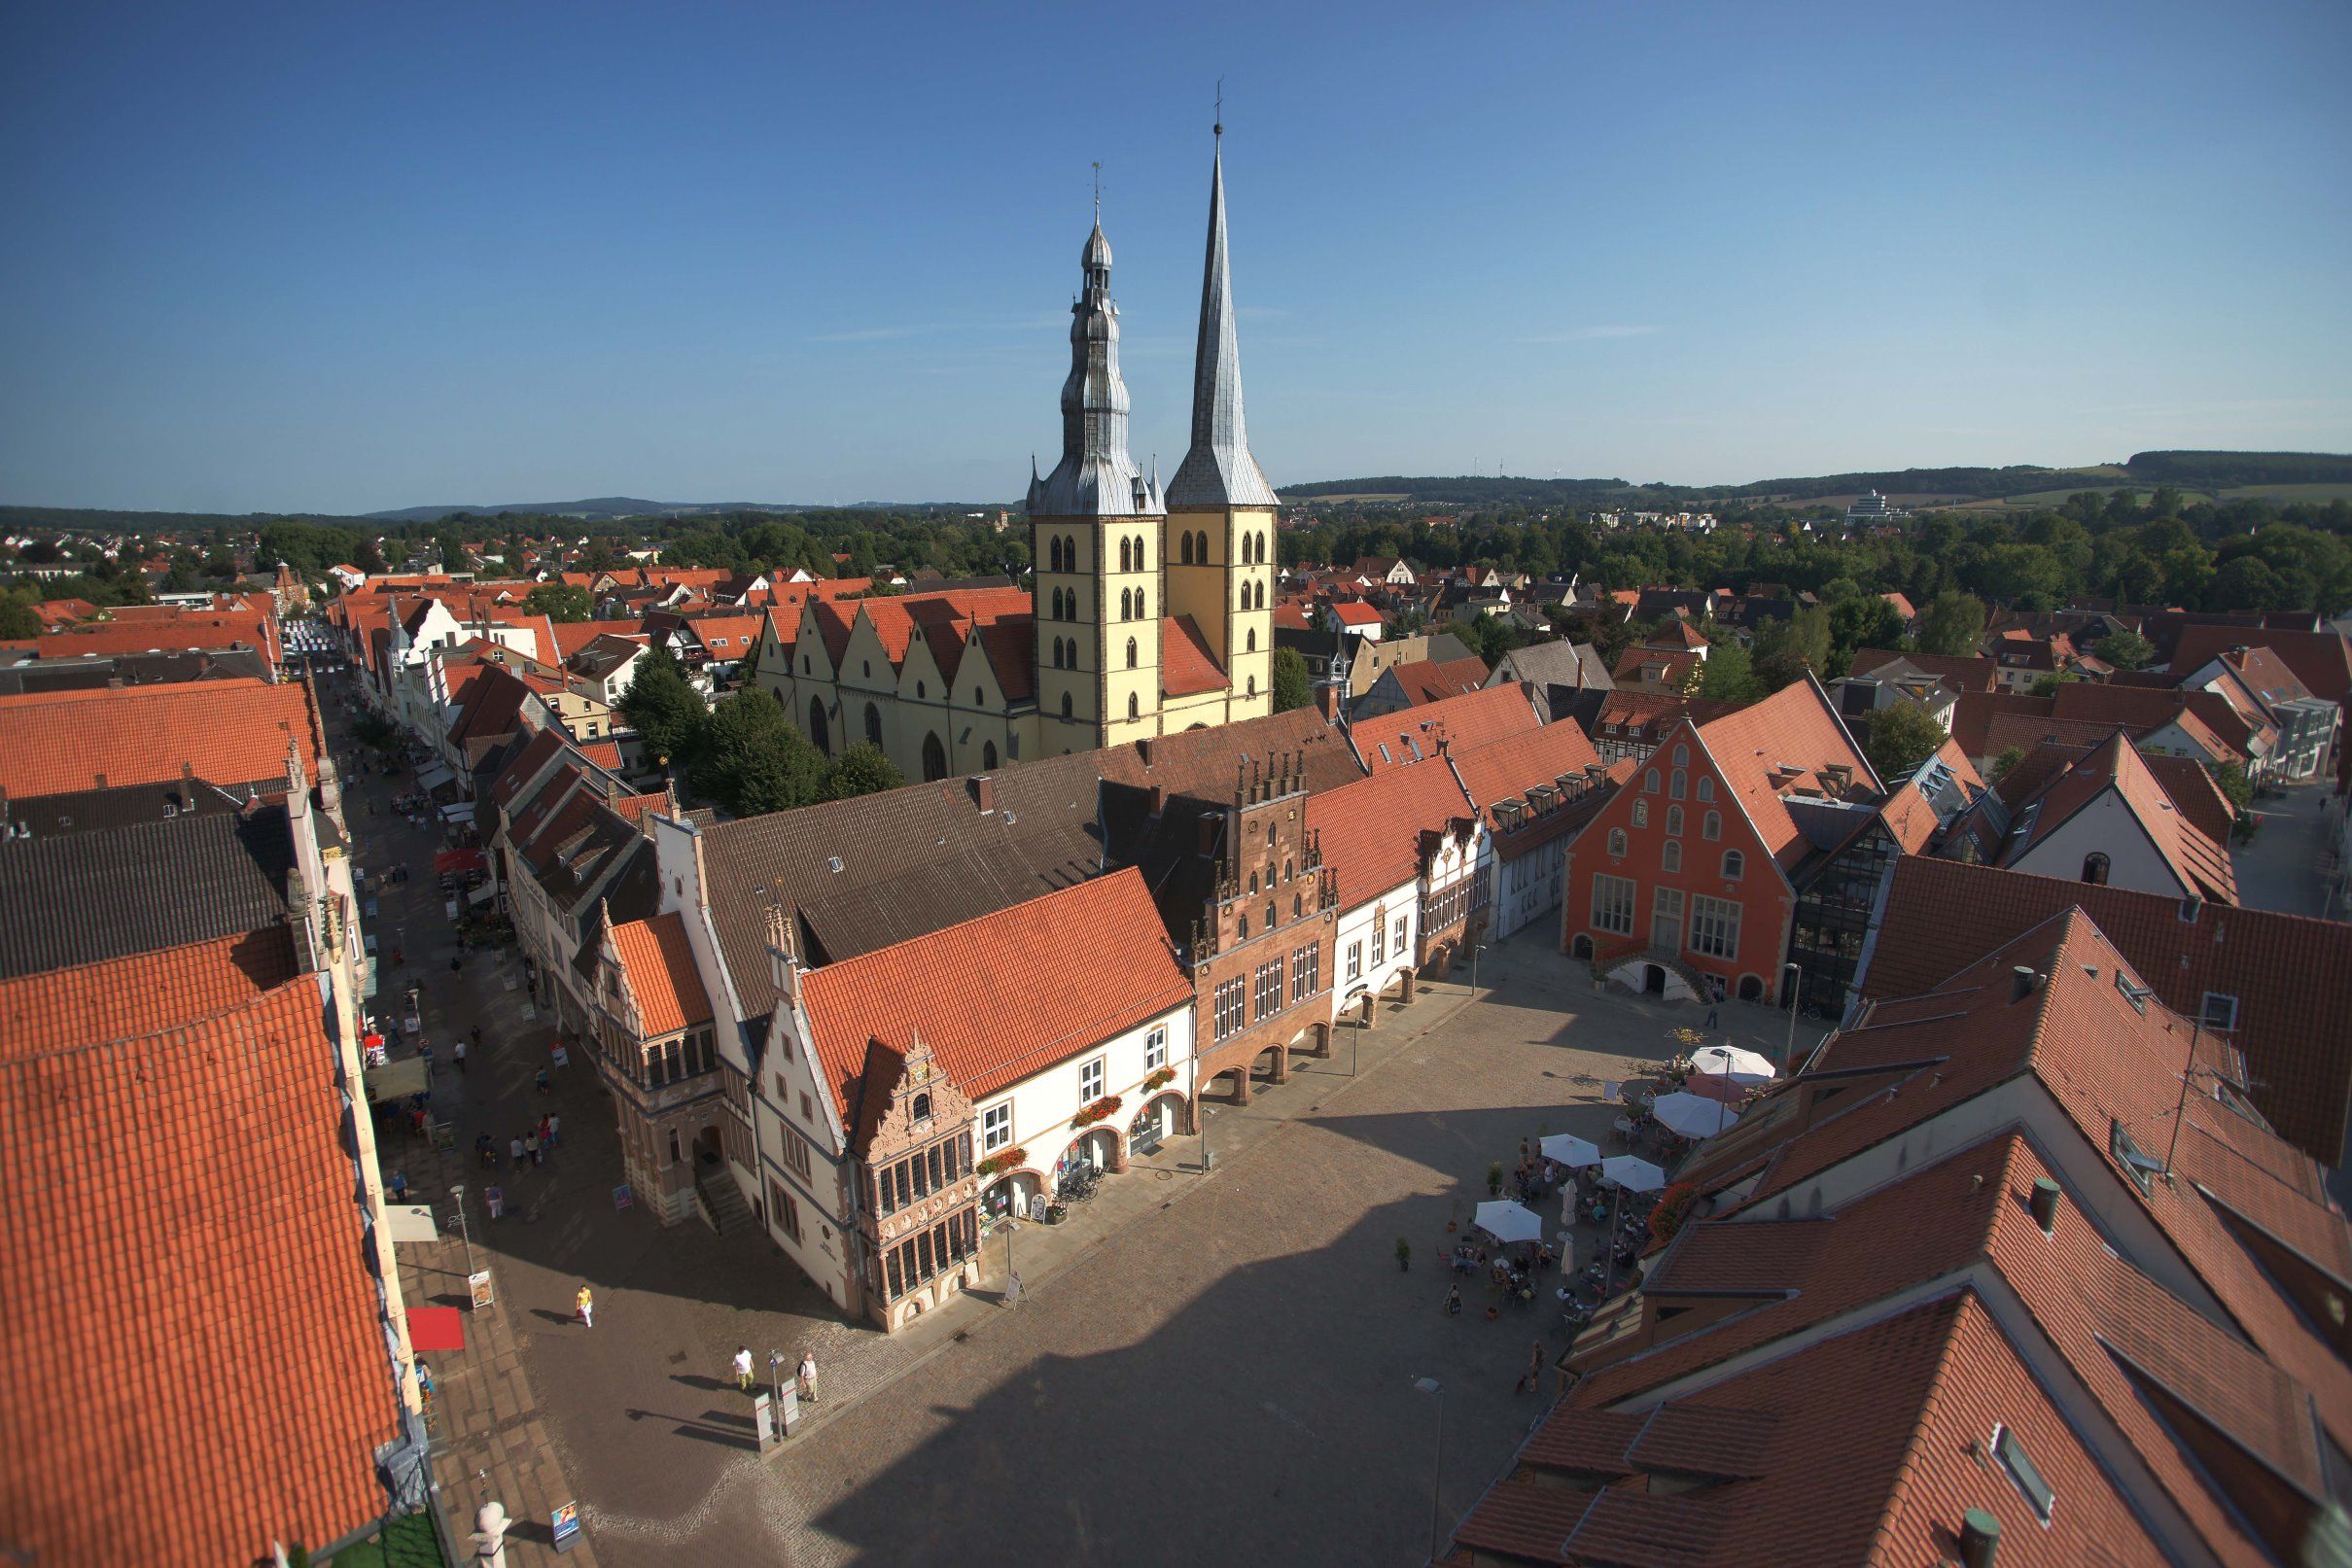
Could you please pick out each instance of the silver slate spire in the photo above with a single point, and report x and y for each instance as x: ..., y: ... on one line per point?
x: 1218, y: 469
x: 1096, y: 478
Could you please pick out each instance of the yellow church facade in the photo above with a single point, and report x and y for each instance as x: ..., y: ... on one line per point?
x: 1147, y: 613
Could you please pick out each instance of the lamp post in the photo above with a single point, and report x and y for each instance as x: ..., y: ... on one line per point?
x: 1796, y: 989
x: 1437, y: 1465
x: 776, y: 1380
x: 458, y: 1192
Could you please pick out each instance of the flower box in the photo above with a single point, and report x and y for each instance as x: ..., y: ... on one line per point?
x: 996, y: 1165
x: 1159, y: 1079
x: 1101, y: 1110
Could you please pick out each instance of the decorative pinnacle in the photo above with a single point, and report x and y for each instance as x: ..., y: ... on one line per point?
x: 1098, y: 191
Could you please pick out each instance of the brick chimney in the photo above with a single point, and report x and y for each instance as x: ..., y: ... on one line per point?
x: 984, y: 792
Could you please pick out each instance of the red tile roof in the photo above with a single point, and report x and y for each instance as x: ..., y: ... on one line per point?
x: 1370, y: 830
x: 1796, y: 727
x: 659, y: 964
x: 1962, y: 674
x: 2114, y: 767
x: 149, y: 634
x: 2291, y: 977
x: 229, y: 732
x: 977, y: 993
x: 2321, y: 660
x: 1355, y: 612
x: 180, y: 1217
x: 1188, y: 665
x: 1472, y: 719
x: 140, y: 995
x: 1426, y: 681
x: 573, y: 635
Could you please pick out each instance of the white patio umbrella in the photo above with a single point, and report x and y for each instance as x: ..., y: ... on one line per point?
x: 1571, y: 1151
x: 1735, y: 1062
x: 1694, y: 1116
x: 1632, y: 1172
x: 1506, y: 1221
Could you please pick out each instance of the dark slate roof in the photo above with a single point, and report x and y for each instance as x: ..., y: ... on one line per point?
x: 99, y: 811
x: 82, y: 674
x: 912, y: 861
x: 82, y: 897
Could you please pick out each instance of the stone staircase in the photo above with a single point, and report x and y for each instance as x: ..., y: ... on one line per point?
x: 720, y: 1202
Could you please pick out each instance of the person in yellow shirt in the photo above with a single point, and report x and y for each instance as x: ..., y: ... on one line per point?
x: 586, y: 1303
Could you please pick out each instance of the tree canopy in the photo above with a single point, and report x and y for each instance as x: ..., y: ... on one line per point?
x: 750, y: 758
x: 1902, y: 735
x: 1293, y: 686
x: 560, y: 600
x: 667, y: 714
x: 864, y: 769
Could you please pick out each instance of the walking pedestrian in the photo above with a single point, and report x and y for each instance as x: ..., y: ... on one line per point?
x: 1532, y: 1380
x: 555, y: 1125
x: 514, y: 1153
x: 531, y: 1146
x: 1454, y: 1301
x: 743, y: 1368
x: 585, y: 1302
x: 808, y: 1376
x: 477, y: 1036
x: 542, y: 1080
x: 458, y: 1050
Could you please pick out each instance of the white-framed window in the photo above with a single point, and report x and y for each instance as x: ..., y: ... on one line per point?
x: 1613, y: 905
x: 1642, y: 814
x: 2220, y: 1010
x: 996, y: 1127
x: 1356, y: 960
x: 1090, y: 1081
x: 1714, y: 927
x: 1380, y: 939
x: 1402, y: 941
x: 1155, y: 1050
x: 1230, y: 997
x: 2022, y: 1473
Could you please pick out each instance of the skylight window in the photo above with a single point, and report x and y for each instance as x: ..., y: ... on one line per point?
x: 2021, y: 1474
x: 2133, y: 992
x: 2220, y: 1010
x: 2136, y: 1162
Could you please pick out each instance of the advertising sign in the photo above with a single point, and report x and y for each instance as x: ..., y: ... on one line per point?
x: 478, y: 1286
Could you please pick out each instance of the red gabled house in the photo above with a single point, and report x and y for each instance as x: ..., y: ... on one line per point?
x: 1686, y: 878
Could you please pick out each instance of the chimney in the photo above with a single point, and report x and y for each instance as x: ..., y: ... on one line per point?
x: 2023, y: 982
x: 984, y: 792
x: 2045, y: 1205
x: 1143, y: 749
x: 1326, y: 701
x: 1980, y: 1538
x: 1208, y: 833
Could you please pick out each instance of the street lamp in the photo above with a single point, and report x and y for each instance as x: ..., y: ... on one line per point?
x: 1437, y: 1471
x: 1795, y: 991
x: 776, y: 1380
x: 458, y: 1192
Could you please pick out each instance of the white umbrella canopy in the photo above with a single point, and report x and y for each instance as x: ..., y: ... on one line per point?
x: 1506, y: 1221
x: 1632, y: 1172
x: 1733, y: 1062
x: 1694, y: 1116
x: 1566, y: 1149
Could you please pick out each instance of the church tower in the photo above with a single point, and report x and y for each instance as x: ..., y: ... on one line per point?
x: 1095, y: 526
x: 1219, y: 556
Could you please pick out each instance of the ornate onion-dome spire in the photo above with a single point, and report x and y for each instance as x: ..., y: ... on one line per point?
x: 1218, y: 469
x: 1096, y: 478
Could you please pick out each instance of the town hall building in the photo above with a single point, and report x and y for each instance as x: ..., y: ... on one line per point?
x: 1147, y: 613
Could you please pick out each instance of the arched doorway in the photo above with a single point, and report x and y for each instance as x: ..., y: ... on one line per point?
x: 706, y: 1146
x: 1751, y: 988
x: 873, y: 723
x: 1580, y: 946
x: 1653, y: 979
x: 934, y: 758
x: 1163, y: 1118
x: 1010, y: 1193
x: 817, y: 731
x: 1098, y: 1148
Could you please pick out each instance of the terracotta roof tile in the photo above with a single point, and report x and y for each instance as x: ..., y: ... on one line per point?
x: 142, y: 994
x: 1106, y: 930
x: 2321, y: 660
x: 1428, y: 680
x: 179, y: 1216
x: 1187, y: 664
x: 1370, y: 830
x: 1473, y: 719
x: 228, y: 732
x: 661, y: 968
x: 1797, y: 727
x: 2114, y: 766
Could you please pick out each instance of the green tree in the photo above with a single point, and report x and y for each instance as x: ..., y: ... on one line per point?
x: 1292, y: 686
x: 1858, y: 623
x: 1901, y: 737
x: 2009, y: 758
x: 667, y: 714
x: 1729, y: 676
x: 452, y: 547
x: 2125, y: 650
x: 864, y: 769
x: 751, y: 760
x: 16, y: 617
x: 1952, y: 625
x: 560, y: 600
x: 2231, y: 781
x: 2047, y: 685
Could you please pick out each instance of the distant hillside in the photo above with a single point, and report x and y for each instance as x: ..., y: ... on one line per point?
x: 600, y: 508
x: 2188, y: 471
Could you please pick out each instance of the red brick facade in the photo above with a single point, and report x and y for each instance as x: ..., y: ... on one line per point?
x: 1261, y: 954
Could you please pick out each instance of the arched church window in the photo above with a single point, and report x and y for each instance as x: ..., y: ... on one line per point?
x: 1127, y: 601
x: 1053, y: 555
x: 1069, y: 551
x: 1185, y: 549
x: 1252, y: 648
x: 2094, y: 868
x: 1066, y: 705
x: 1253, y: 885
x: 1131, y: 653
x: 1140, y: 558
x: 1141, y: 611
x: 987, y: 754
x: 873, y: 723
x: 1253, y: 686
x: 1126, y: 560
x: 1201, y: 545
x: 1135, y: 706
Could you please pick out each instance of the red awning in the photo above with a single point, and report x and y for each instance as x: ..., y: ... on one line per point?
x: 447, y: 861
x: 436, y: 1328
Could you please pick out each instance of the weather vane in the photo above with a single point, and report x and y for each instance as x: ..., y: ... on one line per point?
x: 1098, y: 191
x: 1220, y: 106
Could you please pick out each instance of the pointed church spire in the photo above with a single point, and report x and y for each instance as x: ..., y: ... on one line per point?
x: 1218, y: 469
x: 1096, y: 476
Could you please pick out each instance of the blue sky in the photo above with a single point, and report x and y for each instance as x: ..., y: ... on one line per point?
x: 343, y: 258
